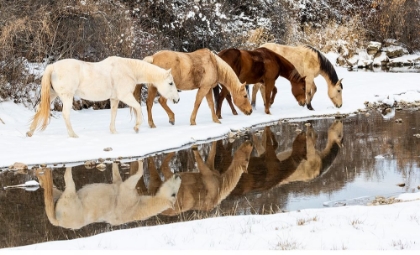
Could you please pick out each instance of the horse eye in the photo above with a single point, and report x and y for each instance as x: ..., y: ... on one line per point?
x: 339, y: 91
x: 171, y: 83
x: 245, y: 96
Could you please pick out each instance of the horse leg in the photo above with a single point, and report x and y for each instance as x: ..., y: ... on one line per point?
x: 155, y: 182
x: 151, y: 94
x: 224, y: 94
x: 202, y: 167
x: 211, y: 156
x: 273, y: 95
x: 269, y: 85
x: 168, y: 110
x: 309, y: 89
x: 165, y: 169
x: 67, y: 105
x: 132, y: 102
x: 232, y: 107
x: 114, y: 107
x: 210, y: 102
x: 255, y: 89
x: 116, y: 177
x: 69, y: 208
x: 198, y: 98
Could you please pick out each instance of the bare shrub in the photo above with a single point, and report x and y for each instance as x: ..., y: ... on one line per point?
x: 398, y: 19
x: 342, y: 38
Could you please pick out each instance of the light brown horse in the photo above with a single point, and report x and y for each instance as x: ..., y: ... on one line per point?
x: 115, y: 203
x: 260, y: 65
x: 317, y: 162
x: 310, y: 63
x: 200, y: 70
x: 205, y: 189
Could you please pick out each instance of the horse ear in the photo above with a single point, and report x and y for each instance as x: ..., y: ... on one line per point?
x: 339, y: 83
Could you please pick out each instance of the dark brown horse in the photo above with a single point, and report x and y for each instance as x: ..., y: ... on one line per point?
x: 260, y: 66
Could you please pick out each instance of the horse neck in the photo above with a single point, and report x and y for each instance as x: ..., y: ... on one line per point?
x: 331, y: 144
x: 287, y: 69
x: 226, y: 75
x: 145, y: 72
x: 327, y: 78
x: 230, y: 179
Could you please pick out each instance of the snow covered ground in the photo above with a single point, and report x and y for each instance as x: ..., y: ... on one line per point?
x: 346, y: 228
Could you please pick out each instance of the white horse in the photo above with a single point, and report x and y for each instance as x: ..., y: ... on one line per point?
x: 114, y: 78
x: 115, y: 203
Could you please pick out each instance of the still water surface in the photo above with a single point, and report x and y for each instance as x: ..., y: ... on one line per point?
x: 348, y: 161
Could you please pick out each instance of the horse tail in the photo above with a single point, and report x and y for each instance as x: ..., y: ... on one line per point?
x: 43, y: 112
x: 148, y: 59
x: 45, y: 179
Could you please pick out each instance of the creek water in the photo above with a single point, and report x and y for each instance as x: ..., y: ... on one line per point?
x: 349, y: 161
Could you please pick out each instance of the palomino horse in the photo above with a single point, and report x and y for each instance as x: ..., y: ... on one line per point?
x: 316, y: 162
x: 205, y: 189
x: 260, y: 65
x: 113, y: 78
x: 200, y: 70
x: 310, y: 63
x: 266, y: 170
x: 115, y: 203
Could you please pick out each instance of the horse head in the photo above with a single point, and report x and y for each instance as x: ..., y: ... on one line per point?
x: 299, y: 89
x: 167, y: 87
x: 240, y: 98
x: 334, y: 92
x: 335, y: 133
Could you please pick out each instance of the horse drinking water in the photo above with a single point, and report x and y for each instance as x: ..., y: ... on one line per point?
x: 310, y: 63
x: 200, y: 70
x: 260, y: 65
x: 113, y: 78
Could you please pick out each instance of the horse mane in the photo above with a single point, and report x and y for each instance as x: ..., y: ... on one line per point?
x: 328, y: 159
x: 325, y: 65
x: 226, y: 75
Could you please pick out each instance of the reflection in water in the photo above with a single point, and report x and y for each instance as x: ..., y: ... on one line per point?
x: 205, y: 189
x: 266, y: 170
x: 375, y: 155
x: 115, y: 203
x: 317, y: 162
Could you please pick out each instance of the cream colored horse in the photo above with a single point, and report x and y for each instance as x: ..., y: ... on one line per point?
x: 317, y: 162
x: 200, y: 70
x: 115, y: 203
x: 113, y: 78
x: 205, y: 189
x: 310, y: 63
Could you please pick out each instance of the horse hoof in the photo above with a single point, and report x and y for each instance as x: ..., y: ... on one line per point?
x: 29, y: 134
x: 172, y: 122
x: 309, y: 106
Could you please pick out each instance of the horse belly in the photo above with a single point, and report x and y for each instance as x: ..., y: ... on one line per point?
x: 92, y: 89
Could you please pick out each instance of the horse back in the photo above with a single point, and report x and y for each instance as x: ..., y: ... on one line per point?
x: 190, y: 70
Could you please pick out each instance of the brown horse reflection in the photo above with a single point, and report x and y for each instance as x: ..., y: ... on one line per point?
x: 114, y: 203
x: 205, y: 189
x: 266, y: 170
x: 317, y: 162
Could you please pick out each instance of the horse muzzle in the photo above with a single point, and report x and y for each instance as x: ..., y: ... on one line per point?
x: 175, y: 100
